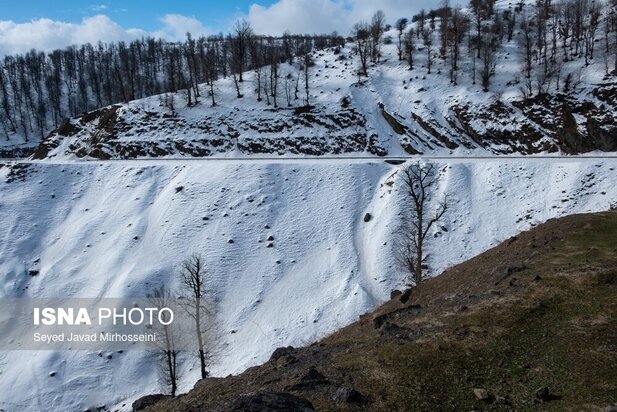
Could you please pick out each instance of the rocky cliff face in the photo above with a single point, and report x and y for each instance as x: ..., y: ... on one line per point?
x: 548, y: 123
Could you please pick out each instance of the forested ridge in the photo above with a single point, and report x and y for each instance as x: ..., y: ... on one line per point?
x: 38, y: 90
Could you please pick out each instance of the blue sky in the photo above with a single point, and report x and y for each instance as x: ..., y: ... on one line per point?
x: 141, y: 14
x: 49, y: 24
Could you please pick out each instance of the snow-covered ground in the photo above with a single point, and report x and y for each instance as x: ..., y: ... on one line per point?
x: 120, y: 228
x: 116, y: 229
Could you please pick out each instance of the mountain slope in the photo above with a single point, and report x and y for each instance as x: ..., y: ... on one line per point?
x: 119, y: 229
x: 529, y: 324
x: 393, y: 111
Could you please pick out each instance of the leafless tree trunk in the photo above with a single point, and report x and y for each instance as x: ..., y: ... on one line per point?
x: 488, y: 61
x: 243, y: 32
x: 307, y: 64
x: 444, y: 27
x: 400, y: 45
x: 428, y: 43
x: 288, y: 87
x: 361, y: 32
x: 418, y: 181
x: 410, y: 47
x: 210, y: 69
x: 257, y: 58
x: 377, y: 29
x: 297, y: 87
x: 274, y: 59
x: 193, y: 279
x: 527, y: 43
x: 168, y: 353
x: 458, y: 28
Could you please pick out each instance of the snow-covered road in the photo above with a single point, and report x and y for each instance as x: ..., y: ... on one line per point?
x: 313, y: 159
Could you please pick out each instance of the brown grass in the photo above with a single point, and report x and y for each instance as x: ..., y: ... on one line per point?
x: 553, y: 324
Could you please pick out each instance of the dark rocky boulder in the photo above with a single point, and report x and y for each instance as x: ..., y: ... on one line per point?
x: 395, y: 294
x: 348, y: 395
x: 282, y: 352
x: 405, y: 296
x: 148, y: 400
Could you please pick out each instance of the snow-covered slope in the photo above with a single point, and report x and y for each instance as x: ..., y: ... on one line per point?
x: 394, y: 111
x: 112, y: 229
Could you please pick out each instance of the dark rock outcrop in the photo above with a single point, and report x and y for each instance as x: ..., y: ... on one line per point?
x: 148, y: 400
x: 348, y: 395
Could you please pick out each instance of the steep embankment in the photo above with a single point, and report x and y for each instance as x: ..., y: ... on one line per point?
x: 529, y: 324
x: 119, y: 229
x: 93, y: 230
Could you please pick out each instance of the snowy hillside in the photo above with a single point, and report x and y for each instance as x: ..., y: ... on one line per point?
x: 296, y: 246
x: 426, y: 116
x: 95, y: 229
x: 392, y: 111
x: 492, y: 77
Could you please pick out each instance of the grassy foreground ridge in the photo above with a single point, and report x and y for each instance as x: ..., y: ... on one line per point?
x: 529, y: 324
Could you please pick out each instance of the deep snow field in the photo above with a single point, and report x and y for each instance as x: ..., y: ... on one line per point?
x: 119, y: 229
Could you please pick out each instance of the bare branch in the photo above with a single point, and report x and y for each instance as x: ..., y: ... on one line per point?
x: 418, y: 181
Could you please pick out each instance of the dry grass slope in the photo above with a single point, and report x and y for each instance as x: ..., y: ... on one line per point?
x: 538, y: 311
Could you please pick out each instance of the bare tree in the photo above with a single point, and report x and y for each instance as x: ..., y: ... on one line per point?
x: 193, y: 283
x: 289, y: 81
x: 410, y: 47
x: 478, y: 10
x: 418, y: 181
x: 458, y: 28
x: 169, y: 101
x: 377, y: 29
x: 565, y: 28
x: 168, y: 352
x: 257, y: 58
x: 362, y: 33
x: 488, y: 54
x: 444, y: 27
x: 400, y: 25
x: 427, y: 37
x: 527, y: 41
x: 242, y: 33
x: 593, y: 22
x: 235, y: 63
x: 510, y: 25
x: 191, y: 64
x: 614, y: 25
x: 420, y: 21
x: 210, y: 70
x: 274, y: 59
x: 307, y: 63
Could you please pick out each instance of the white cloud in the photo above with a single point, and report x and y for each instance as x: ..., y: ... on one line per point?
x: 177, y: 25
x: 46, y: 34
x: 298, y: 16
x: 323, y: 16
x: 99, y: 7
